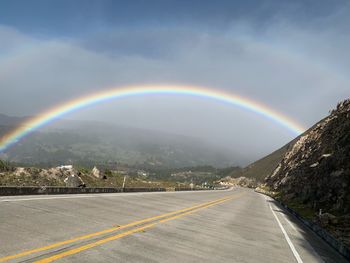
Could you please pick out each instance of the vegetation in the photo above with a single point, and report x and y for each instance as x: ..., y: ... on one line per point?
x: 195, y: 174
x: 300, y: 207
x: 31, y: 176
x: 4, y: 166
x: 11, y: 179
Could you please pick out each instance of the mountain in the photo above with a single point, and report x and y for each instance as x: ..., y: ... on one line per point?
x: 88, y: 143
x: 265, y: 166
x: 9, y: 120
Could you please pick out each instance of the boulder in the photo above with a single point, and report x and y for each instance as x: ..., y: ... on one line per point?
x: 74, y: 181
x: 96, y: 173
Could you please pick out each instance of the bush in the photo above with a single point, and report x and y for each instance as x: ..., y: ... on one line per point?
x: 4, y: 166
x: 108, y: 172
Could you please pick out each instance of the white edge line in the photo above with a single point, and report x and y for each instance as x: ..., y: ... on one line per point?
x: 311, y: 247
x: 296, y: 230
x: 295, y: 252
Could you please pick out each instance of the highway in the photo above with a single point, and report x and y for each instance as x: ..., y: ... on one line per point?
x: 236, y: 225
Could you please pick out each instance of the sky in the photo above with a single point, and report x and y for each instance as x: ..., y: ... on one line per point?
x: 292, y: 56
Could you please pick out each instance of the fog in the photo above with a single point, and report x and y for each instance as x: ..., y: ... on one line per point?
x: 297, y: 66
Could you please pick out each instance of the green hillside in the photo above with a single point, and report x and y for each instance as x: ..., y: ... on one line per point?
x: 265, y: 166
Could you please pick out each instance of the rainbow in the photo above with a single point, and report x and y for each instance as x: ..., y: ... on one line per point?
x: 35, y: 123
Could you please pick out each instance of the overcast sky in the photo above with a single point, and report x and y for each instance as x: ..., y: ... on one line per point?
x: 293, y: 56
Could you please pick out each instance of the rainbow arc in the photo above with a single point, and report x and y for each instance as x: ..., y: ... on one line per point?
x: 35, y: 123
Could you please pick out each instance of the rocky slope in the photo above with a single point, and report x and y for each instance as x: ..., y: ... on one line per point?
x: 70, y: 176
x: 31, y: 176
x: 315, y: 171
x: 240, y: 181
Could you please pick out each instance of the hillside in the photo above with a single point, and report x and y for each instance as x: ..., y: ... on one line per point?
x: 263, y: 167
x: 90, y: 143
x: 10, y: 120
x: 76, y: 177
x: 314, y: 173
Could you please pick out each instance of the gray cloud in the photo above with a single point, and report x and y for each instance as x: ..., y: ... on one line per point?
x: 301, y: 72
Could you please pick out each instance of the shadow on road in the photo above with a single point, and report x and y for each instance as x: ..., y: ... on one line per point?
x: 307, y: 237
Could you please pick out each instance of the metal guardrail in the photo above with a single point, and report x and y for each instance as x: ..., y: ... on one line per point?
x: 55, y: 190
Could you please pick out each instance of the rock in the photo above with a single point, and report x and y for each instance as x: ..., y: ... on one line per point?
x: 314, y: 165
x: 96, y: 173
x: 74, y: 181
x: 65, y: 167
x: 57, y: 173
x: 326, y: 155
x: 21, y: 171
x: 240, y: 181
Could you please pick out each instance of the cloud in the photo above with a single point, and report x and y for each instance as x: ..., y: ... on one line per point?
x: 292, y: 69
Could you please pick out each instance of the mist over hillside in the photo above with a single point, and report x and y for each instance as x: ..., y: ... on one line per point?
x: 91, y: 142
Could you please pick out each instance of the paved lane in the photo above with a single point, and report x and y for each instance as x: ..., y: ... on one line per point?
x: 210, y: 226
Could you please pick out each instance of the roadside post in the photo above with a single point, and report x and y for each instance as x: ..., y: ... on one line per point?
x: 124, y: 182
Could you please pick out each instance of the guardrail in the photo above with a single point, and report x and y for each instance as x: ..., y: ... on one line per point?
x: 53, y: 190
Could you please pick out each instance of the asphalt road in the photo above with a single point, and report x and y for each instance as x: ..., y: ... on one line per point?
x: 235, y: 225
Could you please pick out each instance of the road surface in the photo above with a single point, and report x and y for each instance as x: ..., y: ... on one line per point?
x: 236, y: 225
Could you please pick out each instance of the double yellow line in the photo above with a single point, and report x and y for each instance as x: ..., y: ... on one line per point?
x: 161, y: 219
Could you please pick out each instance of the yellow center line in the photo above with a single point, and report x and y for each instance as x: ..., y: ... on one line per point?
x: 127, y: 233
x: 69, y: 241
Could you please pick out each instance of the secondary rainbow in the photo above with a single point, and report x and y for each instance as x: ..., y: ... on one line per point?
x: 35, y: 123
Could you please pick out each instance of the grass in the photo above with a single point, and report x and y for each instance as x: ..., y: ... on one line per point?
x: 302, y: 209
x: 10, y: 179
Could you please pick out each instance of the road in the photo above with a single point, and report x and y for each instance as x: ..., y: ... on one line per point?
x: 236, y: 225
